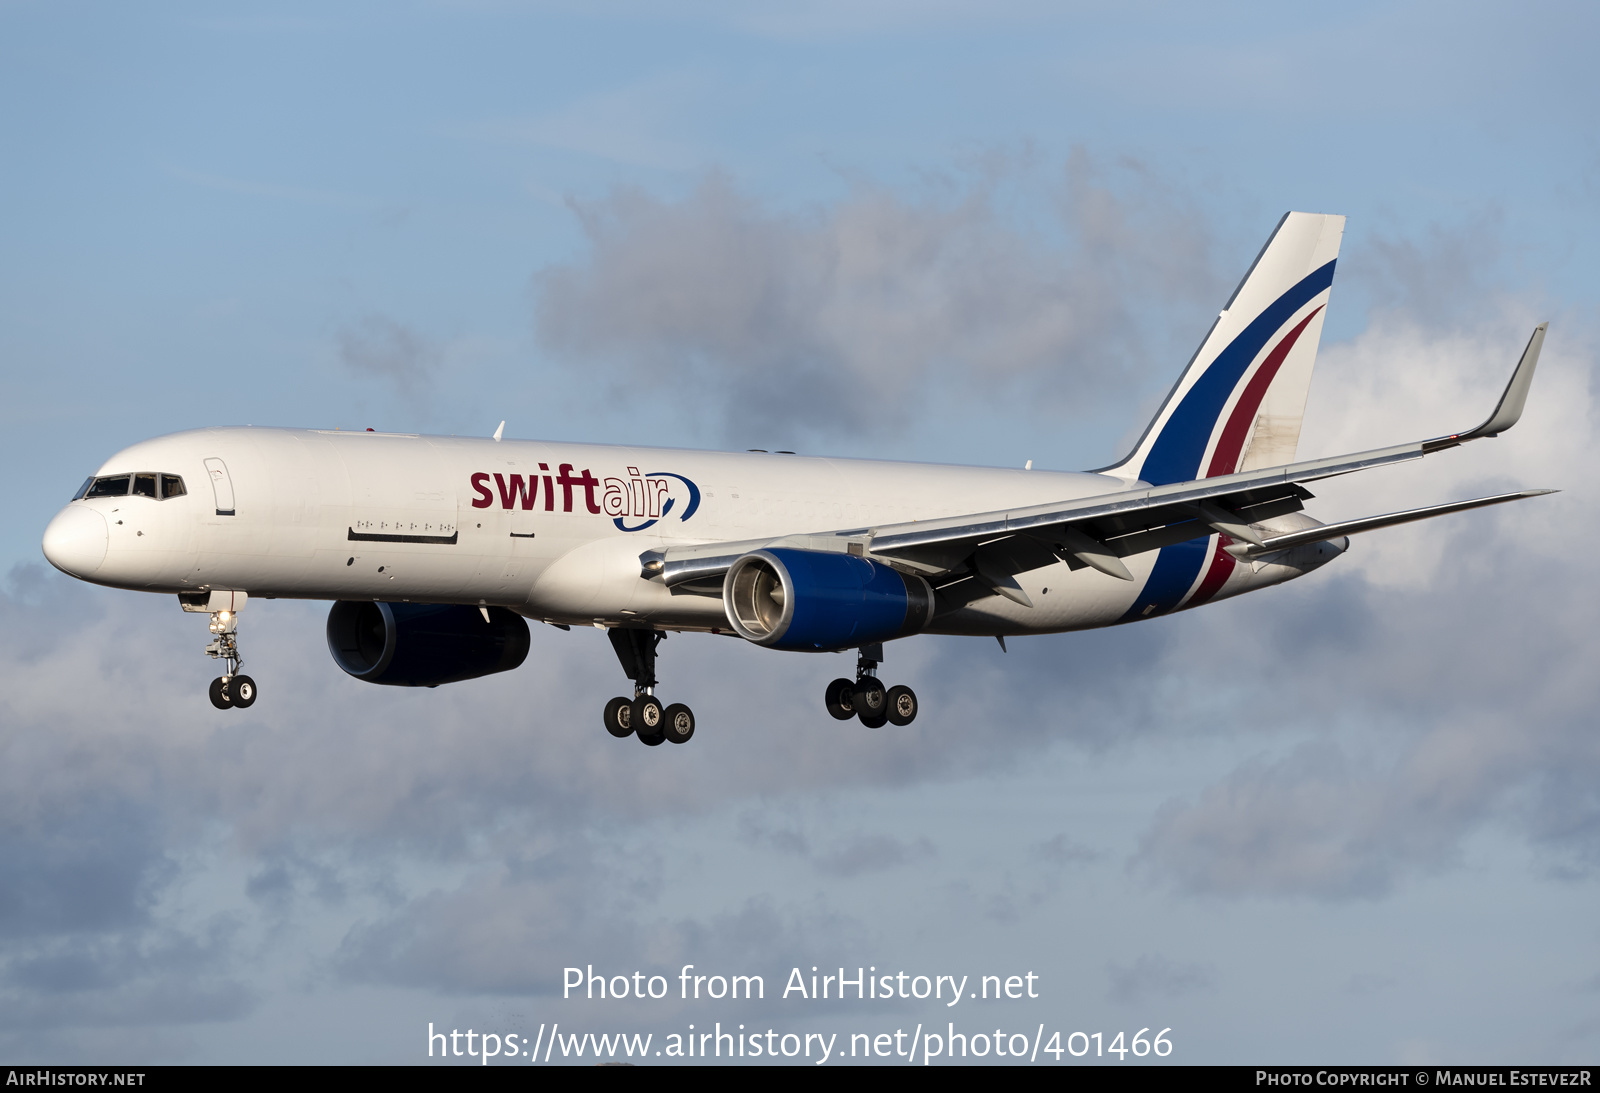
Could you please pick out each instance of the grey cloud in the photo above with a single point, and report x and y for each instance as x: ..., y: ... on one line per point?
x: 872, y: 854
x: 380, y: 347
x: 858, y: 314
x: 502, y: 930
x: 1286, y: 827
x: 39, y: 610
x: 754, y: 831
x: 1158, y: 978
x: 516, y: 930
x: 1061, y: 849
x: 283, y: 877
x: 1367, y: 983
x: 89, y: 867
x: 1439, y: 280
x: 855, y: 855
x: 153, y: 975
x: 170, y: 998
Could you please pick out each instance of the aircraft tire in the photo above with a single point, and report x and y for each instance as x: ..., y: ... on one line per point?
x: 875, y: 720
x: 678, y: 723
x: 837, y: 698
x: 619, y: 717
x: 242, y: 691
x: 901, y: 705
x: 219, y: 694
x: 648, y: 720
x: 868, y: 698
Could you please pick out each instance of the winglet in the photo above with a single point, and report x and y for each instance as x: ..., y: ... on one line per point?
x: 1509, y: 409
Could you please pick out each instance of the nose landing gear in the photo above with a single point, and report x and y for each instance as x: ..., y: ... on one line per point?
x: 866, y: 697
x: 644, y: 716
x: 230, y: 688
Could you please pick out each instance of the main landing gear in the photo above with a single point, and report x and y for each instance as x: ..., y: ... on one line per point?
x: 867, y: 698
x: 643, y: 716
x: 231, y: 688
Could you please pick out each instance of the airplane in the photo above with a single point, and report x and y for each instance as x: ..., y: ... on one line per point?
x: 436, y: 550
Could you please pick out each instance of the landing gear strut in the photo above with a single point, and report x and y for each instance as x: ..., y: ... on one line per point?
x: 867, y: 698
x: 644, y: 716
x: 230, y: 688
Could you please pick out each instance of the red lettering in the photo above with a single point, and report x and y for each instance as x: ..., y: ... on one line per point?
x: 589, y: 482
x: 484, y: 498
x: 549, y: 491
x: 518, y: 489
x: 567, y: 482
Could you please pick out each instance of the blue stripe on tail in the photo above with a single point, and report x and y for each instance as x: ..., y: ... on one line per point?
x: 1176, y: 454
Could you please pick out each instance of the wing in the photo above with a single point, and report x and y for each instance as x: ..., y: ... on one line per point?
x: 1099, y: 532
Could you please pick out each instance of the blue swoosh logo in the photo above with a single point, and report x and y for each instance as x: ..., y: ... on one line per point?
x: 689, y: 510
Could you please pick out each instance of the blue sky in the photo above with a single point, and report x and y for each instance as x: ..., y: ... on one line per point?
x: 1352, y: 819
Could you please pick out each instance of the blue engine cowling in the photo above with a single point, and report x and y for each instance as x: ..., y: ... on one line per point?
x: 424, y: 644
x: 814, y: 600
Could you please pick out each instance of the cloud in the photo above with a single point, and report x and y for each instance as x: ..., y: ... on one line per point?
x: 872, y: 854
x: 1311, y: 824
x: 379, y: 347
x: 859, y: 314
x: 857, y: 854
x: 1063, y: 850
x: 1157, y: 978
x: 87, y: 867
x: 1438, y: 277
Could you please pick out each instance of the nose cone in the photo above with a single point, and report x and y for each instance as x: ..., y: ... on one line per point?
x: 75, y: 542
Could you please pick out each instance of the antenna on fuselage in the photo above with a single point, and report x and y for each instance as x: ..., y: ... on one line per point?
x: 500, y: 430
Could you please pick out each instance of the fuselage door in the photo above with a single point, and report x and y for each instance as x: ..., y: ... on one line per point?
x: 221, y: 485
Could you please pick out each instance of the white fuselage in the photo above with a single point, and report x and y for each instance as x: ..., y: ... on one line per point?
x: 553, y: 531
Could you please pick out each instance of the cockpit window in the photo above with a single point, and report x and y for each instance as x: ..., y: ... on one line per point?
x: 144, y: 483
x: 115, y: 485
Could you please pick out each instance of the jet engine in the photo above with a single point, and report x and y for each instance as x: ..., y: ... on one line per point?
x: 422, y: 644
x: 816, y: 600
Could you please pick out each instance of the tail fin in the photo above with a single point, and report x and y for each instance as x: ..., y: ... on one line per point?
x: 1239, y: 403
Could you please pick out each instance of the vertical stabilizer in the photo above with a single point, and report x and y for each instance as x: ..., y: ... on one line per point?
x: 1239, y: 403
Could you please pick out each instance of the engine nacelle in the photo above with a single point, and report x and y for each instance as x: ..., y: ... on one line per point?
x: 817, y: 600
x: 423, y: 644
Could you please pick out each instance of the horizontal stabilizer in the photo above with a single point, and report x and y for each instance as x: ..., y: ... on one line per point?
x: 1372, y: 523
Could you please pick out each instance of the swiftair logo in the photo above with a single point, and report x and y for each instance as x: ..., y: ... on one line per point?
x: 646, y: 497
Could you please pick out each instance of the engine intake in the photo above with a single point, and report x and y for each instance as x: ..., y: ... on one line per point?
x: 816, y: 600
x: 424, y: 645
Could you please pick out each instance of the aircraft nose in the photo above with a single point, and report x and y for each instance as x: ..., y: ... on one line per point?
x: 75, y: 542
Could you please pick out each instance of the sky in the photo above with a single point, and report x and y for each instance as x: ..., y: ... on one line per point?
x: 1352, y: 819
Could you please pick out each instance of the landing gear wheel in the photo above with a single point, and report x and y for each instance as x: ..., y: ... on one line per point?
x: 837, y: 697
x: 647, y: 718
x: 678, y: 723
x: 243, y: 691
x: 869, y: 699
x: 219, y: 694
x: 875, y: 720
x: 619, y: 717
x: 902, y: 705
